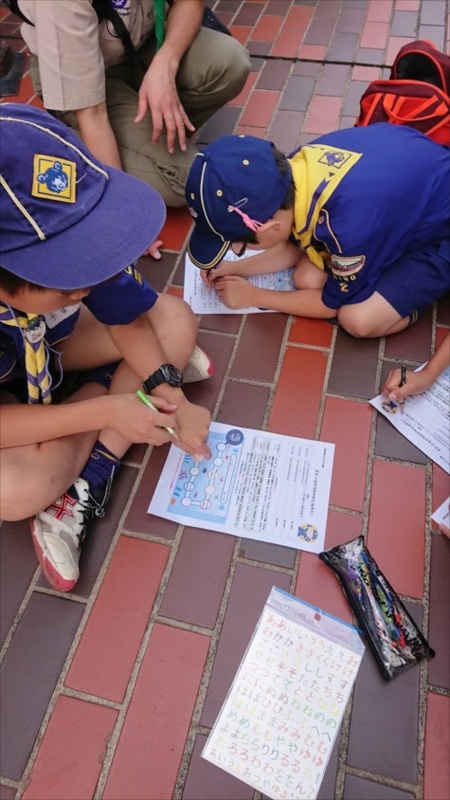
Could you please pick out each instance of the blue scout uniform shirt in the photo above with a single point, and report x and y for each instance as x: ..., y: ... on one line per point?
x: 117, y: 302
x: 394, y: 198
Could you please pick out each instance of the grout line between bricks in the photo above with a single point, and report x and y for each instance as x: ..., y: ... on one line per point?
x: 76, y: 694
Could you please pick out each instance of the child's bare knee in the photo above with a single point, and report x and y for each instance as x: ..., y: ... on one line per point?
x: 304, y: 280
x: 356, y: 322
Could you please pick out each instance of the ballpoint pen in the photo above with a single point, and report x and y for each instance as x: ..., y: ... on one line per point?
x: 402, y: 383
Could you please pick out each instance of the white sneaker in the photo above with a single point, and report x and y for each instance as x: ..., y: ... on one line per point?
x: 59, y: 531
x: 199, y: 368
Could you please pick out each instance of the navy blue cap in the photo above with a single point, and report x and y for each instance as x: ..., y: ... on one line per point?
x: 233, y: 185
x: 66, y: 220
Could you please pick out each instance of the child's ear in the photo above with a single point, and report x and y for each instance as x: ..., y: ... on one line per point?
x: 271, y: 224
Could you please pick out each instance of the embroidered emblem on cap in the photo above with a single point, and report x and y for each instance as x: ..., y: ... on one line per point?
x: 343, y: 267
x: 54, y: 179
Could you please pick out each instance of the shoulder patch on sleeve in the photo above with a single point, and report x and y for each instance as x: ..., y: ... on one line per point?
x: 344, y: 266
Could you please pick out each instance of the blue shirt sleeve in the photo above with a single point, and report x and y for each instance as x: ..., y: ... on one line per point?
x: 123, y: 299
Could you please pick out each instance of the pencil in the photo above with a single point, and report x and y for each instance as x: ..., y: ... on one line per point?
x: 144, y: 398
x: 402, y: 383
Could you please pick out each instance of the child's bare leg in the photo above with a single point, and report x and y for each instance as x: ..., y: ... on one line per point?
x: 372, y: 318
x: 307, y: 276
x: 33, y: 476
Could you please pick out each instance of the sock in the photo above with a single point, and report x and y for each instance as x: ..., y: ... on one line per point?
x: 100, y: 468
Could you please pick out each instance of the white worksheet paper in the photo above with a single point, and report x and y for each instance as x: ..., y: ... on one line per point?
x: 205, y: 300
x: 278, y: 725
x: 425, y: 420
x: 442, y: 514
x: 257, y: 485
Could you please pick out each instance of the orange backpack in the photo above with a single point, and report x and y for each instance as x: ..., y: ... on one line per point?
x: 417, y: 93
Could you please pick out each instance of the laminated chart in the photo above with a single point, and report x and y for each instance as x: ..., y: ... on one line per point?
x: 278, y: 725
x: 257, y: 485
x: 205, y: 300
x: 425, y: 420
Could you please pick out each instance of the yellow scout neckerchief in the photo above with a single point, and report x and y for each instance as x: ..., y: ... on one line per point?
x: 317, y: 171
x: 36, y: 356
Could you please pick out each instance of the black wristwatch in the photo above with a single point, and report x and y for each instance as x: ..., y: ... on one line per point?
x: 165, y: 374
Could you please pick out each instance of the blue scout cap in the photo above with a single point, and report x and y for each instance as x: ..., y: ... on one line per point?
x: 66, y: 220
x: 234, y: 186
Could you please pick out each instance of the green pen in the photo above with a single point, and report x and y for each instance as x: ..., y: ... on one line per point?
x: 147, y: 402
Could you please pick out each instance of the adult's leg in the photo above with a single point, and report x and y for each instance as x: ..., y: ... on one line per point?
x: 212, y: 72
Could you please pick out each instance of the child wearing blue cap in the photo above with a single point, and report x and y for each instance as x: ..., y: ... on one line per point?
x: 71, y: 299
x: 363, y: 214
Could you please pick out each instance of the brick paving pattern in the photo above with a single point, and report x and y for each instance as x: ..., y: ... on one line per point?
x: 110, y: 692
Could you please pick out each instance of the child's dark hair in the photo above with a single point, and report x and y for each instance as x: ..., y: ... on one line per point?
x: 13, y: 284
x: 282, y: 163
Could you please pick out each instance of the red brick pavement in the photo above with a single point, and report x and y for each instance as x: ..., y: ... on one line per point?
x: 110, y: 692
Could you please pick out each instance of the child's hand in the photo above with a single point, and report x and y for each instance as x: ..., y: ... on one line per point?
x: 193, y: 428
x: 416, y: 382
x: 235, y: 292
x: 210, y: 276
x: 154, y: 249
x: 136, y: 422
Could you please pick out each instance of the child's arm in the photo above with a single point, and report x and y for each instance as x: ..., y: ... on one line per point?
x: 33, y: 424
x: 282, y: 256
x: 140, y: 348
x: 417, y: 382
x: 238, y: 293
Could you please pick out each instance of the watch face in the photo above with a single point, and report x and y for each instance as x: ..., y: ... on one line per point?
x: 174, y: 375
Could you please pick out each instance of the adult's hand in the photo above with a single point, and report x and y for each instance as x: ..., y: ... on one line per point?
x: 158, y: 93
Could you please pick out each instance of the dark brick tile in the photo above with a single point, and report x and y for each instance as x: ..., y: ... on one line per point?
x: 354, y: 366
x: 274, y: 75
x: 404, y: 23
x: 443, y: 310
x: 256, y: 64
x: 297, y: 94
x: 18, y: 564
x: 136, y: 453
x: 319, y: 31
x: 328, y: 9
x: 434, y: 33
x: 178, y: 278
x: 277, y: 7
x: 268, y: 553
x: 354, y: 92
x: 307, y: 69
x: 286, y: 129
x: 157, y: 273
x: 228, y: 6
x: 6, y: 792
x: 138, y: 520
x: 327, y: 789
x: 360, y: 789
x: 249, y: 13
x: 198, y: 577
x: 347, y: 122
x: 433, y: 13
x: 439, y: 630
x: 262, y: 336
x: 351, y: 20
x: 223, y: 323
x: 244, y: 405
x: 102, y: 533
x: 333, y: 80
x: 225, y: 17
x: 250, y: 590
x: 343, y: 47
x: 367, y: 55
x: 388, y: 441
x: 29, y: 674
x: 219, y: 348
x: 205, y: 782
x: 355, y: 3
x: 414, y: 343
x: 258, y: 48
x: 221, y: 124
x: 380, y: 707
